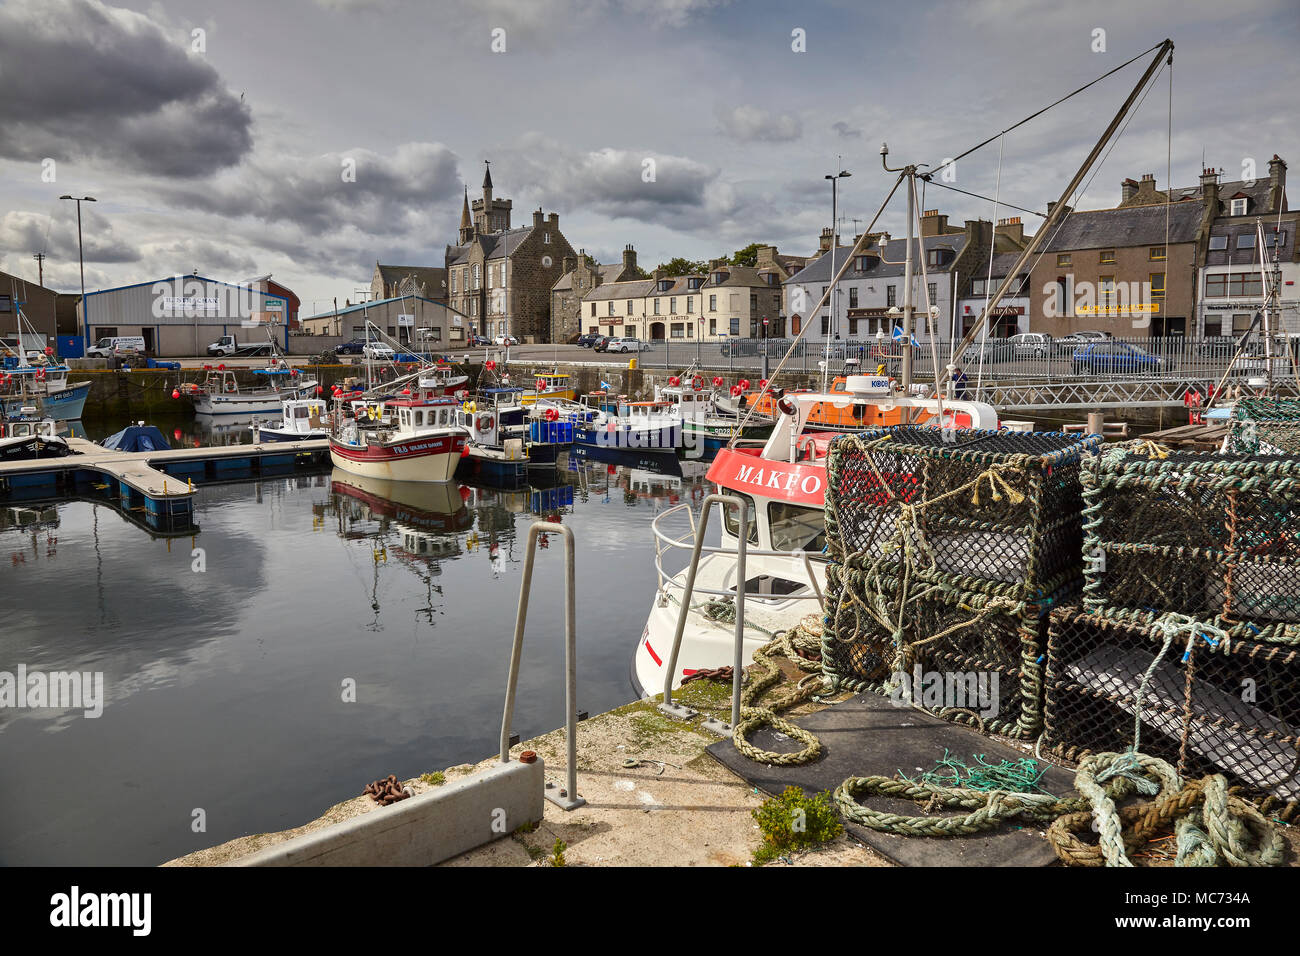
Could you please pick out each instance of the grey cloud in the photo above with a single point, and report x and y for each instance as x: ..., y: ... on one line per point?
x: 755, y: 124
x: 83, y: 80
x: 57, y: 238
x: 846, y: 131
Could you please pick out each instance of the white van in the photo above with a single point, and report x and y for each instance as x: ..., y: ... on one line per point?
x: 107, y: 347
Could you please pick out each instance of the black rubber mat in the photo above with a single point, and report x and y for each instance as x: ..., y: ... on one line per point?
x: 867, y: 735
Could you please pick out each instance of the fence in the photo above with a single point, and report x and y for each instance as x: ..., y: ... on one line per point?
x: 1171, y: 358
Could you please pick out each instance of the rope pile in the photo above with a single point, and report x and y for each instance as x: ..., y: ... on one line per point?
x: 806, y: 637
x: 1212, y: 827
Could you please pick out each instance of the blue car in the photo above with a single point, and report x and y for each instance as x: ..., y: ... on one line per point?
x: 1102, y: 357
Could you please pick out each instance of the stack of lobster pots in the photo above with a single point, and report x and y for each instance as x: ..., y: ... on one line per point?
x: 1186, y: 640
x: 948, y: 549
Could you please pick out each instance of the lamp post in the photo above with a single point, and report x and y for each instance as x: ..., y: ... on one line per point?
x: 81, y: 258
x: 835, y: 241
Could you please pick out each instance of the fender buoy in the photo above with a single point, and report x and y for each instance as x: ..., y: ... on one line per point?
x: 541, y: 384
x: 674, y: 381
x: 744, y: 384
x: 552, y: 415
x: 717, y: 381
x: 489, y: 365
x: 736, y: 391
x: 40, y: 375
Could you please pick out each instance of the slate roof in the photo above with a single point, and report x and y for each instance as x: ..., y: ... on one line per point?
x: 608, y: 273
x: 820, y: 269
x: 1130, y: 226
x: 496, y: 245
x: 632, y: 289
x: 363, y: 306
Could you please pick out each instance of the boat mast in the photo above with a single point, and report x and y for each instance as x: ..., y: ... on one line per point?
x: 1164, y: 53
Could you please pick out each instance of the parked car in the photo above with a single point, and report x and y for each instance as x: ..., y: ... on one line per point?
x: 378, y: 350
x: 994, y: 350
x: 355, y: 347
x: 115, y: 345
x: 476, y: 340
x: 1100, y: 357
x: 1031, y: 345
x: 626, y: 345
x: 1085, y: 337
x: 588, y: 339
x: 600, y: 344
x: 505, y: 340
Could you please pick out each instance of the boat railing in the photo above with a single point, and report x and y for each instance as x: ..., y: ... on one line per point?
x: 695, y: 542
x: 666, y: 542
x: 567, y: 798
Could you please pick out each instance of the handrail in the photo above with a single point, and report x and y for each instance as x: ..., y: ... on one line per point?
x: 742, y: 504
x: 568, y: 798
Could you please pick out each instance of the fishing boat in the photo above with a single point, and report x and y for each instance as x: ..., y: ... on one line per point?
x: 300, y: 419
x: 783, y: 481
x: 497, y: 450
x: 420, y: 508
x: 44, y: 386
x: 706, y: 427
x: 221, y: 393
x: 550, y: 385
x: 645, y: 428
x: 25, y: 439
x: 416, y: 440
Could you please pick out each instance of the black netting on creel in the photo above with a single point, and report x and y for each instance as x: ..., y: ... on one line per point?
x: 970, y: 639
x: 999, y: 507
x: 1202, y: 534
x: 1232, y: 709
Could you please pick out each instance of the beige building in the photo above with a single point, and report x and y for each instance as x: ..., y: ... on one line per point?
x: 581, y: 275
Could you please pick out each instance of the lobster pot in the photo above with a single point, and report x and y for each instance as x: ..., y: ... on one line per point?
x: 1232, y: 709
x: 991, y: 510
x: 1210, y: 535
x: 1265, y: 426
x: 965, y: 655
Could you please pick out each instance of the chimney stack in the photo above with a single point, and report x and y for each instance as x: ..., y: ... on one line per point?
x: 1276, y: 183
x: 538, y: 218
x: 933, y: 224
x: 567, y: 265
x: 629, y: 258
x: 1127, y: 190
x: 1013, y: 229
x: 1210, y: 188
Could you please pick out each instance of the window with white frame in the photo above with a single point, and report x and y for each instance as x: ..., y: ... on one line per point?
x: 1238, y: 207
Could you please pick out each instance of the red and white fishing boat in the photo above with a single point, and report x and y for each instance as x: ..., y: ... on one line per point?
x: 784, y: 481
x: 407, y: 440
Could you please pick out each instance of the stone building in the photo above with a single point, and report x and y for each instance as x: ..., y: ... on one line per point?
x: 501, y: 277
x: 581, y: 275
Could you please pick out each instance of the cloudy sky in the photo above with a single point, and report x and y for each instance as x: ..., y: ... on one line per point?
x: 220, y: 137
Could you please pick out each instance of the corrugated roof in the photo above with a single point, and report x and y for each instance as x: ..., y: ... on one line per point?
x: 362, y: 306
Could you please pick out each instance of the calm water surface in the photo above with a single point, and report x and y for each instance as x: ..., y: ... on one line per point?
x: 224, y: 687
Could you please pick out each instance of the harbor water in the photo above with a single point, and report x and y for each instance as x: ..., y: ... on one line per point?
x: 318, y: 632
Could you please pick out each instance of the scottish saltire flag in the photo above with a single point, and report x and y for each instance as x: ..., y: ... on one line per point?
x: 898, y: 335
x: 605, y: 386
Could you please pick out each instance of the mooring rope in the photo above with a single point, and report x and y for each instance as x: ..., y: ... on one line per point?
x: 807, y: 635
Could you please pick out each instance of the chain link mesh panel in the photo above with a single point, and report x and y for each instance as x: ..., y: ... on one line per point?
x: 1232, y: 707
x: 1211, y: 535
x: 993, y: 509
x: 966, y: 655
x: 1264, y: 426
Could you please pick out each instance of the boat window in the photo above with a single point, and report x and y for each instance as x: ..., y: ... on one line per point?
x: 795, y: 528
x: 731, y: 518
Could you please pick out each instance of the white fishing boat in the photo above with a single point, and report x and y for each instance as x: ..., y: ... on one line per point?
x: 784, y: 482
x: 221, y: 393
x: 416, y: 440
x: 24, y: 439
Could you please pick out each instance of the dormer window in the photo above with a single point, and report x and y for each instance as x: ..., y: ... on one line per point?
x: 665, y: 285
x: 1237, y: 207
x: 720, y: 277
x: 546, y: 238
x: 1246, y: 240
x: 693, y: 283
x: 1218, y: 242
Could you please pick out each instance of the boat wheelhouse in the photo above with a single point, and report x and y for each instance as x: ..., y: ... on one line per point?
x: 44, y: 387
x: 25, y: 439
x: 783, y: 483
x: 555, y: 385
x: 706, y: 427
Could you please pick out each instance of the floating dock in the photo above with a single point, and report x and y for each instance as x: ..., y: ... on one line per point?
x: 158, y: 483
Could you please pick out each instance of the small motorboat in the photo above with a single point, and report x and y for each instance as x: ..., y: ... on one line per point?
x: 301, y: 419
x: 24, y: 439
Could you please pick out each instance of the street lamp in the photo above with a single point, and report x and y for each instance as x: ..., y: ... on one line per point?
x: 835, y: 241
x: 81, y: 257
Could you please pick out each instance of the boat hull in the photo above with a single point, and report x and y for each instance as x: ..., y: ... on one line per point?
x: 665, y: 439
x: 419, y: 459
x: 62, y: 405
x: 244, y: 403
x: 263, y: 434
